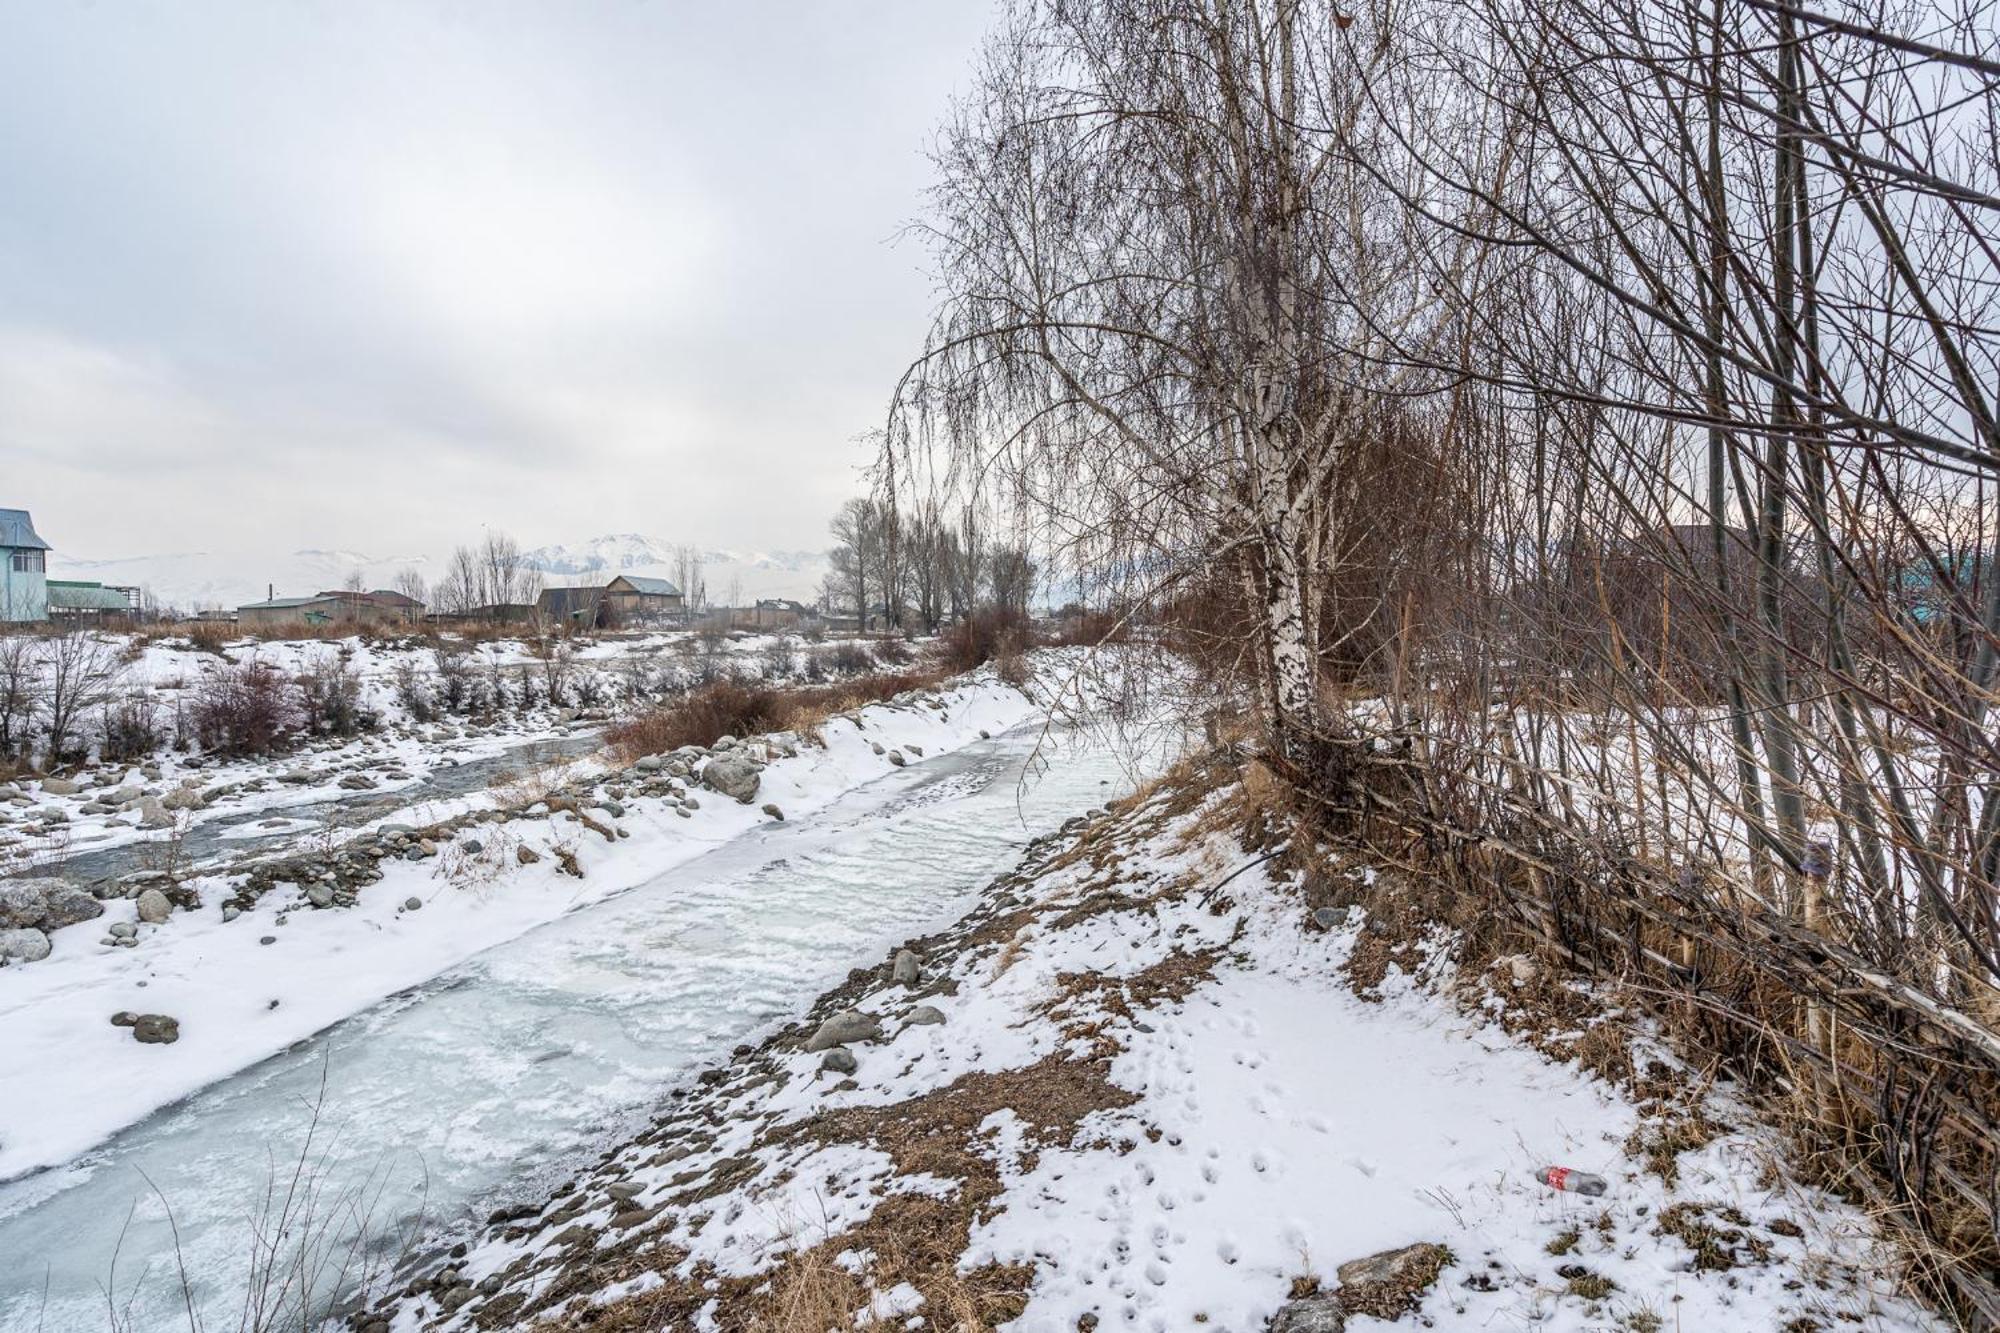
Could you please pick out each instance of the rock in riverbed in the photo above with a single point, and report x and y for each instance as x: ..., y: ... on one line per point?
x: 156, y: 1030
x: 26, y: 945
x: 732, y: 776
x: 154, y: 907
x: 846, y: 1026
x: 45, y: 903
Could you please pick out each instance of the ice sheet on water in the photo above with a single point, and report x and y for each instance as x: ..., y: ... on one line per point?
x: 461, y: 1092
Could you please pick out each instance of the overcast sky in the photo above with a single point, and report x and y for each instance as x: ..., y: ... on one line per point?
x: 330, y: 273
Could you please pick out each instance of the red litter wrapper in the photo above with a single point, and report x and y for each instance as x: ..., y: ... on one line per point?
x: 1572, y: 1181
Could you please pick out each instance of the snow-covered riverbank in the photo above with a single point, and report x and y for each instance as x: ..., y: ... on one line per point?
x: 505, y: 1068
x: 249, y: 986
x: 1123, y: 1092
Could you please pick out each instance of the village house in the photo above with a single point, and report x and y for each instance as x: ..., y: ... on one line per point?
x: 383, y: 606
x: 76, y: 600
x: 577, y: 606
x: 340, y: 607
x: 630, y: 599
x: 24, y: 592
x: 772, y: 613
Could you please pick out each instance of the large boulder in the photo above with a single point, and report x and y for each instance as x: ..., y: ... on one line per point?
x: 156, y: 1029
x: 154, y: 907
x: 60, y: 787
x: 732, y: 776
x: 44, y: 903
x: 182, y: 798
x: 26, y: 945
x: 849, y: 1025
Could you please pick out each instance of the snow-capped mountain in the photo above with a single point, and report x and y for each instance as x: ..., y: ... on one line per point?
x: 192, y: 580
x: 613, y: 553
x: 618, y: 552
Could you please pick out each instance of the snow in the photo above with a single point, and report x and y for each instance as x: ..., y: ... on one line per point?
x: 528, y: 1014
x: 1281, y: 1125
x: 402, y: 752
x: 218, y: 978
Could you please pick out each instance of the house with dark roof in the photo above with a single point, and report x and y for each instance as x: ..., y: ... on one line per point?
x: 575, y: 606
x: 779, y: 613
x: 24, y: 569
x: 382, y: 606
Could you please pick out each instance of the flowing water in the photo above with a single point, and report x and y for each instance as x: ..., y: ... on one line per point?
x: 500, y: 1076
x: 233, y: 835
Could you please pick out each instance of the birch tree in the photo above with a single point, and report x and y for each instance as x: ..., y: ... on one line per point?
x: 1153, y: 235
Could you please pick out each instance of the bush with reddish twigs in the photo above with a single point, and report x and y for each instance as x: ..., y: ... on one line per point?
x: 246, y: 708
x: 985, y: 636
x: 740, y: 708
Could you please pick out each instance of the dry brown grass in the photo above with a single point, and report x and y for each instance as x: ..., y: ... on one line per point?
x: 1394, y: 1299
x: 741, y: 709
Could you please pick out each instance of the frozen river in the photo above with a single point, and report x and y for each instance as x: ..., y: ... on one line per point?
x: 485, y: 1085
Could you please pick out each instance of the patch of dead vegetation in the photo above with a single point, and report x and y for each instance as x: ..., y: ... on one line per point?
x: 916, y: 1239
x: 1393, y: 1298
x: 1401, y: 910
x: 1659, y: 1142
x: 1086, y: 1005
x: 1717, y: 1248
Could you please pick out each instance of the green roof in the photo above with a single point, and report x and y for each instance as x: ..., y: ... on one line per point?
x: 75, y: 595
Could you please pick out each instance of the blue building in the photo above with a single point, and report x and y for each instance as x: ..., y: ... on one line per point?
x: 24, y: 578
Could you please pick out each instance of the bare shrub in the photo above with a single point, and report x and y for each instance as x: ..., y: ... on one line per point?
x: 414, y: 692
x: 130, y: 728
x: 983, y: 636
x: 777, y: 658
x: 20, y: 692
x: 330, y: 698
x: 894, y: 653
x: 844, y: 659
x: 557, y: 656
x: 244, y: 709
x: 738, y: 708
x: 458, y: 686
x: 79, y: 671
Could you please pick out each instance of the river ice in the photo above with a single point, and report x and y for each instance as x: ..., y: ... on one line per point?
x: 479, y: 1086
